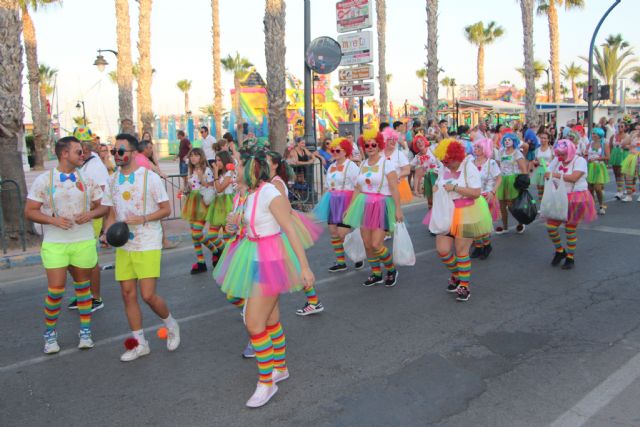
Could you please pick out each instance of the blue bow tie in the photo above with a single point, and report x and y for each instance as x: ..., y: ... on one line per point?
x: 122, y: 178
x: 71, y: 176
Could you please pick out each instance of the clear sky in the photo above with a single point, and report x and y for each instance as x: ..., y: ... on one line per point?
x: 69, y: 35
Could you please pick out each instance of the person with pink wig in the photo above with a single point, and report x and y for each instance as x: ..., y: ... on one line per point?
x: 490, y: 179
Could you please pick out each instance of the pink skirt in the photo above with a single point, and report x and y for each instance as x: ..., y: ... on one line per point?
x: 494, y: 206
x: 307, y: 231
x: 582, y: 208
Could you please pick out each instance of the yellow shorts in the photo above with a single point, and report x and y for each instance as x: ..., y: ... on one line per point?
x: 137, y: 265
x: 97, y: 227
x: 61, y: 255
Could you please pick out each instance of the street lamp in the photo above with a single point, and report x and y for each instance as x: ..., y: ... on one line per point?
x: 84, y: 115
x: 100, y: 62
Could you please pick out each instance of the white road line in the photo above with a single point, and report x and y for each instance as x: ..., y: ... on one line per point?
x: 601, y: 396
x: 616, y: 230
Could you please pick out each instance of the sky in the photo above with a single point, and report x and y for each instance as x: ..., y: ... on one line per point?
x: 70, y: 34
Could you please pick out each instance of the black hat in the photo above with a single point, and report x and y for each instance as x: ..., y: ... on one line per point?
x: 118, y: 234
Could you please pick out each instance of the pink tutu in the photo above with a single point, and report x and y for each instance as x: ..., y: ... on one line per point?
x: 372, y: 211
x: 582, y: 208
x: 307, y: 231
x: 494, y: 206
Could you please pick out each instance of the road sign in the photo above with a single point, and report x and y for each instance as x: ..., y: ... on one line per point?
x: 357, y: 48
x: 323, y: 55
x: 356, y: 90
x: 352, y: 15
x: 362, y: 72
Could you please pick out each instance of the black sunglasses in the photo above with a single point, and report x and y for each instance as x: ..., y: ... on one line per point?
x: 119, y: 151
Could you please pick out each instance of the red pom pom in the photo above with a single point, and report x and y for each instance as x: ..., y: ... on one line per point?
x: 231, y: 167
x: 130, y: 343
x: 162, y: 333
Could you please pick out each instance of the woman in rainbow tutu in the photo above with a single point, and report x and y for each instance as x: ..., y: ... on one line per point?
x: 470, y: 219
x: 630, y: 166
x: 225, y: 185
x: 490, y: 179
x: 265, y: 260
x: 619, y: 151
x: 598, y: 174
x: 375, y: 207
x: 571, y: 168
x: 339, y: 183
x: 512, y: 163
x: 544, y: 155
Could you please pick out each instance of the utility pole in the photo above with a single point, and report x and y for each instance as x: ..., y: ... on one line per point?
x: 308, y: 82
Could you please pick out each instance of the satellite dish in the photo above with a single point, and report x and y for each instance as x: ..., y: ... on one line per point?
x: 323, y: 55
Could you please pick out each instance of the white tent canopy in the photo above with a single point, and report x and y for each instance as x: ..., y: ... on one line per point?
x: 501, y: 107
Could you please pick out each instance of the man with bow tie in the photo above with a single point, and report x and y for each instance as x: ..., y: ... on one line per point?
x: 66, y: 201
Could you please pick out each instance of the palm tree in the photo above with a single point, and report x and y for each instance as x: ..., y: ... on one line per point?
x: 432, y: 58
x: 11, y: 118
x: 238, y: 66
x: 570, y: 73
x: 207, y: 109
x: 422, y: 75
x: 217, y: 73
x: 123, y: 71
x: 381, y: 24
x: 526, y: 9
x: 46, y: 77
x: 144, y: 62
x: 446, y: 82
x: 548, y: 7
x: 538, y: 69
x: 452, y: 85
x: 275, y: 50
x: 185, y: 87
x: 481, y: 36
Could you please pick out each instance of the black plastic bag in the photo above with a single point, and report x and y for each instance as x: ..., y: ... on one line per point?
x: 524, y: 208
x: 522, y: 182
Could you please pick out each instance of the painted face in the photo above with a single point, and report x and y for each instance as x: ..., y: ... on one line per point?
x: 508, y: 143
x: 122, y: 153
x: 337, y: 153
x: 421, y: 145
x: 477, y: 150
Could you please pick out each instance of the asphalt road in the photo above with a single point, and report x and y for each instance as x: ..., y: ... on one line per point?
x: 535, y: 345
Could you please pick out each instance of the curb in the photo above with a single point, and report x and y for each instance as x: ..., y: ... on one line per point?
x: 29, y: 259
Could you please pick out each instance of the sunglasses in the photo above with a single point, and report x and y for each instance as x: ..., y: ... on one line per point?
x: 120, y: 151
x: 79, y: 152
x: 335, y: 150
x: 373, y: 145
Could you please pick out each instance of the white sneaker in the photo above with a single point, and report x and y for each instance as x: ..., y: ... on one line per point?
x: 85, y: 339
x: 618, y: 195
x: 139, y: 351
x: 520, y: 228
x: 262, y: 395
x: 626, y: 198
x: 51, y: 342
x: 173, y: 338
x: 279, y: 375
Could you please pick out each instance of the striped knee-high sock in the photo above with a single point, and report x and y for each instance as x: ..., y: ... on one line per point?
x: 449, y: 260
x: 375, y: 266
x: 540, y: 192
x: 620, y: 183
x: 486, y: 240
x: 52, y: 304
x: 630, y: 184
x: 464, y: 270
x: 572, y: 239
x: 554, y: 235
x: 238, y: 302
x: 264, y: 356
x: 338, y: 248
x: 477, y: 243
x: 226, y: 237
x: 279, y: 346
x: 197, y: 238
x: 312, y: 297
x: 385, y: 258
x: 83, y: 298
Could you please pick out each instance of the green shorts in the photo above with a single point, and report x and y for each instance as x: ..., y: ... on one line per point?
x: 137, y: 265
x: 61, y: 255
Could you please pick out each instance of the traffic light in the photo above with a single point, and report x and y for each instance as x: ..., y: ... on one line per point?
x: 604, y: 92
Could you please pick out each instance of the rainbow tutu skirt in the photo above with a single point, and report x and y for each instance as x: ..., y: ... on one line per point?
x: 371, y: 211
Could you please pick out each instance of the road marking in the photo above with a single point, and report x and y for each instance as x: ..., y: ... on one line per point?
x: 616, y: 230
x: 601, y: 396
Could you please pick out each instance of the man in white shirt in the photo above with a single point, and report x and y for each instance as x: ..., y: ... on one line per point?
x: 207, y: 146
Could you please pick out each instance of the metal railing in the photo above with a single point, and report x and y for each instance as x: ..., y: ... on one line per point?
x: 19, y: 202
x: 174, y: 184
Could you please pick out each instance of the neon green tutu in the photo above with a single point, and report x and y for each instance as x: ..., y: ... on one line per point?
x: 507, y: 190
x: 219, y: 209
x: 371, y: 211
x: 472, y: 221
x: 629, y: 166
x: 538, y: 175
x: 617, y: 156
x: 597, y: 173
x: 430, y: 179
x: 194, y: 208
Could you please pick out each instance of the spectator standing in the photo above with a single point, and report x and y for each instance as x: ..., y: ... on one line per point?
x: 207, y: 146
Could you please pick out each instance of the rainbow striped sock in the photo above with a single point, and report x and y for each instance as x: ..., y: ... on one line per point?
x: 385, y: 258
x: 338, y: 249
x: 83, y: 298
x: 630, y: 185
x: 279, y: 346
x: 464, y: 270
x: 486, y: 240
x: 264, y: 356
x: 52, y: 303
x: 310, y: 293
x: 477, y: 243
x: 375, y: 266
x: 449, y: 260
x: 238, y: 302
x: 226, y: 237
x: 572, y: 239
x: 554, y: 235
x: 540, y: 193
x: 619, y: 183
x: 197, y: 238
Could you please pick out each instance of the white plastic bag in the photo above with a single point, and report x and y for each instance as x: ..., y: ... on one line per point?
x: 403, y: 253
x: 354, y: 246
x: 441, y: 212
x: 555, y: 202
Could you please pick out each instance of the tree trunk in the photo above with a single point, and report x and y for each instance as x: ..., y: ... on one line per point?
x: 613, y: 90
x: 236, y: 104
x: 275, y: 50
x: 480, y: 72
x: 33, y: 77
x: 424, y: 93
x: 381, y: 25
x: 574, y: 91
x: 531, y: 116
x: 124, y: 70
x: 217, y: 68
x: 144, y: 49
x: 432, y: 59
x: 554, y: 50
x: 11, y: 119
x: 186, y: 102
x: 45, y: 119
